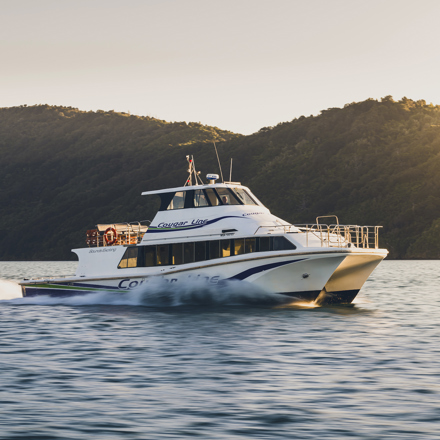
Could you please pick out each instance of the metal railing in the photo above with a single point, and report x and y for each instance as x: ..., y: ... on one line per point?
x: 366, y: 237
x: 117, y: 234
x: 335, y: 235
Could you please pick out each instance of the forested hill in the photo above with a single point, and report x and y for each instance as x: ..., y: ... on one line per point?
x: 373, y: 162
x: 64, y: 170
x: 370, y: 163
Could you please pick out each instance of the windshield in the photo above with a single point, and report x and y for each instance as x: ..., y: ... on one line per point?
x: 244, y: 196
x: 227, y: 198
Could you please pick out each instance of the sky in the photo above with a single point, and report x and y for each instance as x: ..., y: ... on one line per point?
x: 239, y: 65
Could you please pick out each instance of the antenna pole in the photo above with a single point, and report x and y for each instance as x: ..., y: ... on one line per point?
x: 196, y: 173
x: 192, y: 171
x: 190, y: 165
x: 230, y: 172
x: 219, y: 164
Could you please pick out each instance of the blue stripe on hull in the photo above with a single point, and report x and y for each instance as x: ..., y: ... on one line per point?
x: 31, y: 292
x: 61, y: 293
x: 249, y: 272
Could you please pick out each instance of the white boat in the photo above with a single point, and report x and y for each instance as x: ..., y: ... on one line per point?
x: 217, y: 232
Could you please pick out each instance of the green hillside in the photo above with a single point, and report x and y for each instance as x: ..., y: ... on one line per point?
x: 65, y: 170
x: 373, y: 162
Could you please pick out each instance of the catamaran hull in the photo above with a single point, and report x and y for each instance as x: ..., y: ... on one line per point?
x: 330, y: 278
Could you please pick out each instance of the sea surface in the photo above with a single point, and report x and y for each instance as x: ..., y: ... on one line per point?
x: 232, y: 363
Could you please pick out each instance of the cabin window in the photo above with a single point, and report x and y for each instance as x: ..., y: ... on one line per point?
x: 239, y: 246
x: 275, y: 244
x: 244, y: 196
x: 181, y: 253
x: 200, y: 198
x: 177, y: 253
x: 250, y: 245
x: 149, y: 253
x: 281, y: 244
x: 178, y: 201
x: 130, y: 258
x: 212, y: 197
x: 199, y: 251
x: 188, y: 252
x: 214, y: 249
x: 225, y: 248
x: 163, y: 255
x: 227, y: 197
x: 264, y: 244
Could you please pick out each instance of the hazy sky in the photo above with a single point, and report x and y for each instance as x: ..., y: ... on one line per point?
x: 236, y: 64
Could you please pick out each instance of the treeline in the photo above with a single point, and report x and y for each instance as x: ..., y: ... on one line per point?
x: 64, y: 170
x: 373, y: 162
x: 370, y: 163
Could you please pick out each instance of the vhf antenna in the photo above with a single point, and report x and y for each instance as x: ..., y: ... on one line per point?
x: 219, y: 164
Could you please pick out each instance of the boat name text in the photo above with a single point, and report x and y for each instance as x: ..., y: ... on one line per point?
x: 127, y: 283
x: 106, y: 249
x: 195, y: 222
x: 251, y: 213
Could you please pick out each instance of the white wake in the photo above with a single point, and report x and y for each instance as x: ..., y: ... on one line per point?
x: 158, y: 293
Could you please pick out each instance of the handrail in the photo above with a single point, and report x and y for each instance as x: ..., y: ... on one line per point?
x: 126, y: 233
x: 335, y: 235
x: 327, y: 216
x: 316, y: 235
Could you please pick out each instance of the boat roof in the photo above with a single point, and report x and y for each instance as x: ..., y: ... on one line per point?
x: 194, y: 187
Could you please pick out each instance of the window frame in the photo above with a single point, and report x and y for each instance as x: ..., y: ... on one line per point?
x: 206, y: 251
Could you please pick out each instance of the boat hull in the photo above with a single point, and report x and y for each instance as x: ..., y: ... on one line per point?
x: 327, y: 277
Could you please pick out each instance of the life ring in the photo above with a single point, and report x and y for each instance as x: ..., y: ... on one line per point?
x: 114, y: 235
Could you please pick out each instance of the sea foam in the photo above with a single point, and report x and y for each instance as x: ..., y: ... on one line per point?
x: 158, y: 293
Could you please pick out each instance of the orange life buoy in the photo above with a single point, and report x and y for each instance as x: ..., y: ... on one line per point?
x: 109, y: 240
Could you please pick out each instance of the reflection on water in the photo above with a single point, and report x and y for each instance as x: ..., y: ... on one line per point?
x: 234, y: 364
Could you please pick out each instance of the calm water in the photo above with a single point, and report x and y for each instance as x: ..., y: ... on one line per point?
x: 228, y: 364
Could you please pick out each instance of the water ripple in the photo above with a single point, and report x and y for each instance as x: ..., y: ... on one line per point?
x: 235, y: 365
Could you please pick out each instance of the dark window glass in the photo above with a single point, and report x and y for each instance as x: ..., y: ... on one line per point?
x: 177, y: 253
x: 239, y: 246
x: 163, y: 254
x: 149, y: 256
x: 188, y: 252
x: 214, y: 249
x: 123, y: 263
x: 264, y: 244
x: 250, y: 245
x: 139, y: 256
x: 225, y: 248
x: 189, y: 199
x: 130, y: 258
x: 200, y: 198
x: 244, y: 196
x: 165, y: 200
x: 212, y: 197
x: 282, y: 244
x: 178, y: 201
x: 227, y: 197
x: 200, y: 250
